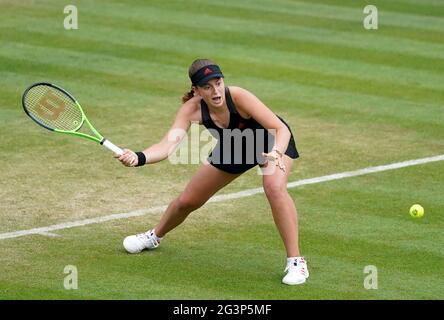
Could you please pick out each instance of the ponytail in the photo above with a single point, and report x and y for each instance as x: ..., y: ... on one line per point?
x: 187, y: 96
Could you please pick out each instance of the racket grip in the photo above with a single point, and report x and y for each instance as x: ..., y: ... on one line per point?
x: 111, y: 146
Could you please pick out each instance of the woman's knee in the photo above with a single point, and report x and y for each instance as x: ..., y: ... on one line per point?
x: 188, y: 202
x: 275, y: 190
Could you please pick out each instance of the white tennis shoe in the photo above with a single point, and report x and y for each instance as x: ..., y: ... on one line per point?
x: 297, y: 271
x: 137, y: 243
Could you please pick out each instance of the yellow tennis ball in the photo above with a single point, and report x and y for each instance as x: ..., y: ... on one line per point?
x: 416, y: 211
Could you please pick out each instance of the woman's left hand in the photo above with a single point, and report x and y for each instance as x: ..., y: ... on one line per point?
x: 277, y: 157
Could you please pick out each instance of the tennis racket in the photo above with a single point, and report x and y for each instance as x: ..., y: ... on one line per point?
x: 55, y: 109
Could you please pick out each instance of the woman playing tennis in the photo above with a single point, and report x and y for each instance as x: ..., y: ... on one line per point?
x: 234, y: 110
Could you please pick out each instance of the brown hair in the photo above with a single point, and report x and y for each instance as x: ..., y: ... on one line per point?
x: 195, y: 66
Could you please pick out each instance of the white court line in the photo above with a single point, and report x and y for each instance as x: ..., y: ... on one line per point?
x: 49, y: 234
x: 237, y: 195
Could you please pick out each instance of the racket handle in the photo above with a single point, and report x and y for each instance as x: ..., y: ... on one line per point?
x: 111, y: 146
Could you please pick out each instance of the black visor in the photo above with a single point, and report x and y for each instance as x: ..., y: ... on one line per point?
x: 205, y: 74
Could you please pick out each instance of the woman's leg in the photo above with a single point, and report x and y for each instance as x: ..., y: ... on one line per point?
x: 282, y: 205
x: 204, y: 184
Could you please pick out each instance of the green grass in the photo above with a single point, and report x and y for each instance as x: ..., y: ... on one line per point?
x: 354, y: 98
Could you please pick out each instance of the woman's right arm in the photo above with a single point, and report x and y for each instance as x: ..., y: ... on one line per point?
x: 189, y: 112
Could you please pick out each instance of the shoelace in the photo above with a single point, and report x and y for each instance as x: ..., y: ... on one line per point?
x: 148, y: 237
x: 295, y: 264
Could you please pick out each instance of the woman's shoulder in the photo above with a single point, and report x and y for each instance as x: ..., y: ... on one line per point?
x: 237, y: 93
x: 240, y: 95
x: 191, y: 108
x: 193, y: 103
x: 236, y: 90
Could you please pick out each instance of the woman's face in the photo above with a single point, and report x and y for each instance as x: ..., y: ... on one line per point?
x: 213, y: 92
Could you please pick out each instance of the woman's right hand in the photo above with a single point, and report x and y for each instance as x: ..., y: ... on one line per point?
x: 128, y: 158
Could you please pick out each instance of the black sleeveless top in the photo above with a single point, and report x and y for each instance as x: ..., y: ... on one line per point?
x: 240, y: 146
x: 236, y: 120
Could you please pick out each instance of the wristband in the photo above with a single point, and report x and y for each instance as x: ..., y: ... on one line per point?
x: 141, y: 159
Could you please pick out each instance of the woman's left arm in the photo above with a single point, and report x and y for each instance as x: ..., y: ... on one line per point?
x: 250, y: 104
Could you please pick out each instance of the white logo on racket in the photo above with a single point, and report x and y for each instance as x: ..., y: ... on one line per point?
x: 50, y: 106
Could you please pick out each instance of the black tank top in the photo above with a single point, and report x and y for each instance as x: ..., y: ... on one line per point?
x: 255, y: 138
x: 236, y: 120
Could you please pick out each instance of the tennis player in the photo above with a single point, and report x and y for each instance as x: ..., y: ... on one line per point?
x: 223, y: 109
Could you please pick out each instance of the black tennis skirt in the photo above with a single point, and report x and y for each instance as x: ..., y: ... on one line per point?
x: 217, y: 159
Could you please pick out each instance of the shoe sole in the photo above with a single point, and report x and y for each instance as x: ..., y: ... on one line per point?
x: 295, y: 283
x: 300, y: 282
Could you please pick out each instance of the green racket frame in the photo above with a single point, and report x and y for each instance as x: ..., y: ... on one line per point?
x: 97, y: 138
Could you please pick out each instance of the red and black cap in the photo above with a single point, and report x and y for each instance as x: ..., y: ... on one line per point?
x: 205, y: 74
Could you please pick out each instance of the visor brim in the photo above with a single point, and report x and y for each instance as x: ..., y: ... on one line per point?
x: 208, y: 78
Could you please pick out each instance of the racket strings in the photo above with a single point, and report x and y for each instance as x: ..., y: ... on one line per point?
x: 53, y: 108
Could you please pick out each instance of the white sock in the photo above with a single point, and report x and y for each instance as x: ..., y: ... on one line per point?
x: 155, y: 235
x: 298, y: 259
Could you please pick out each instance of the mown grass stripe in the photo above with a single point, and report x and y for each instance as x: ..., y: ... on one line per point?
x: 355, y: 103
x: 297, y: 18
x: 294, y: 32
x: 270, y: 32
x: 360, y: 38
x: 307, y: 62
x: 336, y: 81
x: 423, y: 8
x: 351, y: 101
x: 254, y: 16
x: 336, y: 11
x: 235, y: 50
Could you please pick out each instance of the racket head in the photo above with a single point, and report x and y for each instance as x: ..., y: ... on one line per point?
x: 52, y: 107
